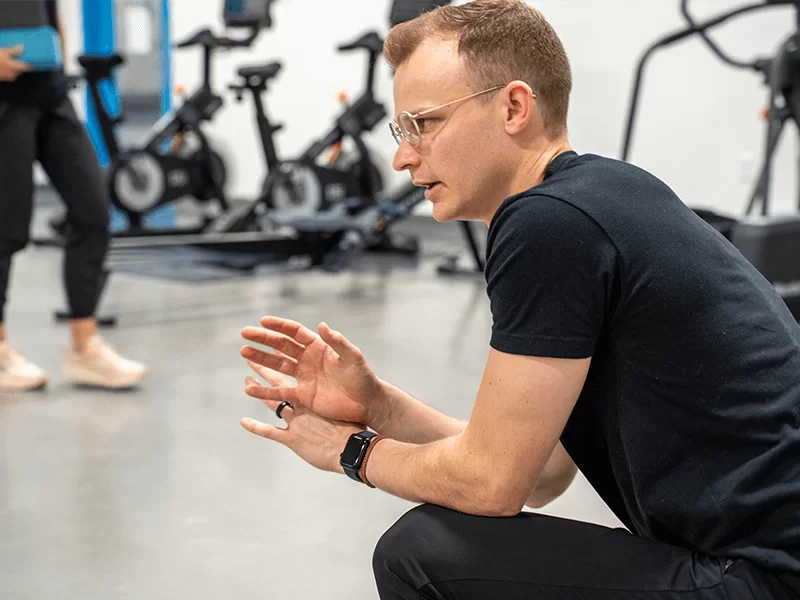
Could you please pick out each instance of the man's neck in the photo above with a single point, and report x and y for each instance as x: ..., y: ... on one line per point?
x: 533, y: 168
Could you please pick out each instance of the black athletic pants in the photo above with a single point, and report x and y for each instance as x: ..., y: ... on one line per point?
x: 436, y: 553
x: 59, y: 141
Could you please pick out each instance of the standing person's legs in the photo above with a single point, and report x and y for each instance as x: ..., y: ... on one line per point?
x: 17, y: 154
x: 436, y: 553
x: 70, y: 160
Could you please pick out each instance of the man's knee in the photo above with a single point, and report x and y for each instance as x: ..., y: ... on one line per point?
x: 414, y: 548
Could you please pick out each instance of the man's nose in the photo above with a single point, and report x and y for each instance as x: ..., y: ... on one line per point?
x: 405, y: 158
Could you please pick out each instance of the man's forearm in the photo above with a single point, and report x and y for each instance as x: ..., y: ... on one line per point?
x: 407, y: 419
x: 413, y: 422
x: 444, y: 473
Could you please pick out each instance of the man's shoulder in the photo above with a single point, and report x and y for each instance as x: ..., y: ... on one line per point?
x: 614, y: 195
x: 548, y: 207
x: 536, y: 210
x: 574, y: 169
x: 546, y: 229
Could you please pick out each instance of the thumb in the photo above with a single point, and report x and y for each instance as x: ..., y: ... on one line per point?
x: 341, y: 345
x: 16, y: 50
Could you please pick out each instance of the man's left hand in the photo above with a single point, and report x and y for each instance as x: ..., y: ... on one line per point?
x: 316, y: 440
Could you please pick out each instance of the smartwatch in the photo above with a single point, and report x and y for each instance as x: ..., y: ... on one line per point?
x: 354, y: 453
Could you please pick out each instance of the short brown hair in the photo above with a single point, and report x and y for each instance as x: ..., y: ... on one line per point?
x: 501, y: 41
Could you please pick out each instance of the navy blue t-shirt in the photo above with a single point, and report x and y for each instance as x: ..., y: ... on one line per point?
x: 688, y: 425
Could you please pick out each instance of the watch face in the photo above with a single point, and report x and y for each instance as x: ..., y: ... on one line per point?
x: 353, y: 451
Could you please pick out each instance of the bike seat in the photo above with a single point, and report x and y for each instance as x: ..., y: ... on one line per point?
x: 100, y: 65
x: 370, y: 41
x: 266, y: 72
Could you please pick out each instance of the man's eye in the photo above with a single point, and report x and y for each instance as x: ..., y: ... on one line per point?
x: 424, y: 123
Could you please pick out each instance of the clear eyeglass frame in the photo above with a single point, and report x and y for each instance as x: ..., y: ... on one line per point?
x: 406, y: 127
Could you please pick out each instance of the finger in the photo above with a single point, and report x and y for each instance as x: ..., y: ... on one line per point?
x: 271, y: 377
x: 287, y: 413
x: 250, y: 380
x: 279, y: 363
x: 16, y: 50
x: 271, y: 396
x: 267, y: 431
x: 293, y: 329
x: 270, y: 404
x: 340, y: 344
x: 272, y: 339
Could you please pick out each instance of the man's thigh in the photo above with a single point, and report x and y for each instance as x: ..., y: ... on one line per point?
x: 433, y: 552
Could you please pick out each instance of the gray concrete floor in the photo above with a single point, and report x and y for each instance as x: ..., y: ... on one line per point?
x: 159, y: 493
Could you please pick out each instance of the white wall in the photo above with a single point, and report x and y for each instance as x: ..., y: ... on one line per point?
x: 699, y: 126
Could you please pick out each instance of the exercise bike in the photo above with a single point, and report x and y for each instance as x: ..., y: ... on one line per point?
x: 177, y: 160
x: 143, y: 179
x: 302, y: 187
x: 308, y: 193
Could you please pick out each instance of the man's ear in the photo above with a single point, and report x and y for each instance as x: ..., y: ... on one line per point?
x: 520, y: 107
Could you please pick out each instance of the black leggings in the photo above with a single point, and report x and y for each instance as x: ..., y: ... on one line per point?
x: 58, y: 140
x: 436, y: 553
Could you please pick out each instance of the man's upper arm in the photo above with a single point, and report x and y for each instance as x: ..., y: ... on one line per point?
x: 550, y: 272
x: 523, y: 404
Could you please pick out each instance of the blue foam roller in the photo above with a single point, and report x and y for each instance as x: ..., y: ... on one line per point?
x: 41, y: 46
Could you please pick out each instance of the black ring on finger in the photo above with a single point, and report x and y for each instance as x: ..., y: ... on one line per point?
x: 280, y: 408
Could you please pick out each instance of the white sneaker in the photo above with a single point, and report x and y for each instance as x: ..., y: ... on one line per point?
x: 101, y: 366
x: 16, y: 373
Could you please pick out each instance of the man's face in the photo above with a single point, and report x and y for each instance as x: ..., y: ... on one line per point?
x: 463, y: 146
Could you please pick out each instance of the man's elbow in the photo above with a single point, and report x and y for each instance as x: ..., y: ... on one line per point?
x: 500, y: 500
x: 500, y: 508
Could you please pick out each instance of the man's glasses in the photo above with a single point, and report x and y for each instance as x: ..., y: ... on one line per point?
x: 406, y: 128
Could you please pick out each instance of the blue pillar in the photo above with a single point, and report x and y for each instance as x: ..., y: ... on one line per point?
x: 166, y: 61
x: 98, y: 39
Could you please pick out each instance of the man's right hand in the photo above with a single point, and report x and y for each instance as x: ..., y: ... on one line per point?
x: 10, y: 68
x: 333, y: 377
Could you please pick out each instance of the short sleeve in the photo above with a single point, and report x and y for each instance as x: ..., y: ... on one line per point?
x: 550, y: 273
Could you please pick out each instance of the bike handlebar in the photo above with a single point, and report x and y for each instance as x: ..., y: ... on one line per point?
x: 208, y: 40
x: 373, y: 44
